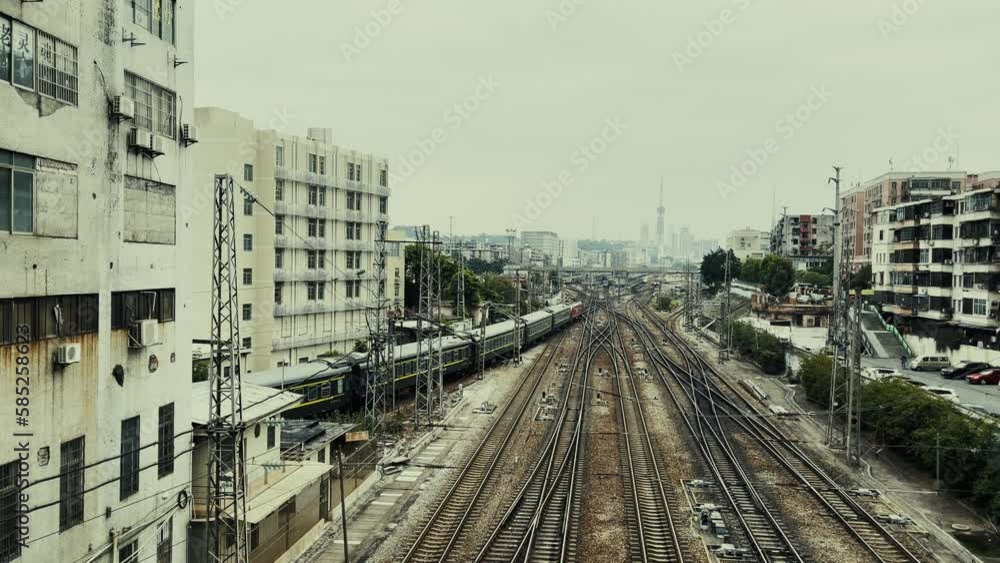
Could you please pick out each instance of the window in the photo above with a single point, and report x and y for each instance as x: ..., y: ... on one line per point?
x: 313, y: 195
x: 312, y: 163
x: 58, y: 70
x: 383, y: 178
x: 165, y: 441
x: 279, y: 224
x: 254, y: 536
x: 320, y: 291
x: 311, y: 259
x: 311, y: 291
x: 128, y: 550
x: 247, y: 276
x: 165, y: 542
x: 17, y: 192
x: 311, y: 227
x: 247, y: 343
x: 128, y: 307
x: 321, y: 259
x: 10, y: 548
x: 278, y: 286
x: 279, y: 258
x: 129, y: 461
x: 279, y: 155
x: 247, y: 312
x: 349, y: 257
x: 322, y: 196
x: 248, y: 206
x: 155, y: 106
x: 271, y: 441
x: 248, y: 242
x: 383, y: 205
x: 55, y: 66
x: 71, y: 462
x: 156, y: 17
x: 248, y: 172
x: 279, y: 190
x: 350, y: 231
x: 978, y: 306
x: 321, y: 232
x: 321, y: 454
x: 322, y: 165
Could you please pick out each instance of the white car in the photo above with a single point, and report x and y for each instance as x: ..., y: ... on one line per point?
x: 944, y: 393
x: 876, y: 374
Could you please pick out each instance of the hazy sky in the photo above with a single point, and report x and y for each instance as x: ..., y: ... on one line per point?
x: 539, y: 79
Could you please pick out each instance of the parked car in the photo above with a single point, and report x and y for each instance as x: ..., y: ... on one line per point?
x: 944, y: 393
x: 876, y: 374
x: 915, y: 382
x: 984, y: 377
x: 929, y: 363
x: 962, y: 369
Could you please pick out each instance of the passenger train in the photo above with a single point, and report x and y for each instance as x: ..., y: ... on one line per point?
x: 340, y: 385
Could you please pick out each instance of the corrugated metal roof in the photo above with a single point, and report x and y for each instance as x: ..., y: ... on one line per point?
x: 270, y: 499
x: 258, y: 402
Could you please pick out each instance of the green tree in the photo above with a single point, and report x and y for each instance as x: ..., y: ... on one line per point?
x: 713, y: 267
x: 774, y: 272
x: 862, y: 279
x: 814, y: 278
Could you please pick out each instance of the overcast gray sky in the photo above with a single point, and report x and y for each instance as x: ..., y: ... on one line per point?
x: 899, y: 76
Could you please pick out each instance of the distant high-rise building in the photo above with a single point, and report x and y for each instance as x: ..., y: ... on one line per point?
x: 659, y: 217
x: 644, y: 233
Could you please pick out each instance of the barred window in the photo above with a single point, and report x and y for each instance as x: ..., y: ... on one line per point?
x: 156, y: 17
x: 165, y: 542
x: 58, y: 70
x: 165, y: 444
x: 155, y: 106
x: 71, y: 462
x: 129, y: 463
x: 10, y: 548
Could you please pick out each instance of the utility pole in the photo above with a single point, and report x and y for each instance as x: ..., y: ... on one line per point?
x: 380, y: 347
x: 426, y: 389
x: 725, y: 331
x: 460, y: 290
x: 227, y: 535
x: 832, y: 334
x: 438, y: 258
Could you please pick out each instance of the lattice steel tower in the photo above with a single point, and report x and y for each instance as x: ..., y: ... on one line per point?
x: 227, y: 535
x: 380, y: 373
x: 428, y: 389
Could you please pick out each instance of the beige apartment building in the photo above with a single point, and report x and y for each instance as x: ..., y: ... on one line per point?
x: 306, y: 260
x: 748, y: 243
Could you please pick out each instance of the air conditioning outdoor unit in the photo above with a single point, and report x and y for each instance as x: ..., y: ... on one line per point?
x: 139, y: 140
x: 189, y: 134
x: 157, y: 146
x: 122, y: 108
x: 68, y: 354
x: 149, y: 332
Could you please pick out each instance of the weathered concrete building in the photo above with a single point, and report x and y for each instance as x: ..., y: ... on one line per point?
x: 306, y: 263
x: 94, y: 315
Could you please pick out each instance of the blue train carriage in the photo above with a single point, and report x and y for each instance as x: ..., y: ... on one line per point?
x: 324, y: 388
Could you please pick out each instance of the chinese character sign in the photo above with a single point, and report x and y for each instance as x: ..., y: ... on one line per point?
x: 5, y: 35
x: 23, y: 47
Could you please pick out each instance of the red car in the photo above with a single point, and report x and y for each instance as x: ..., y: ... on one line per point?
x: 985, y: 377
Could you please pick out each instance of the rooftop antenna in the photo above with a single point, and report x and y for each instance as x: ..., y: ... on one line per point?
x: 891, y: 168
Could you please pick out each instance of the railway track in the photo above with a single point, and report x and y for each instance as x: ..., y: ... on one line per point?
x: 652, y: 534
x: 540, y: 524
x: 436, y: 540
x: 708, y: 388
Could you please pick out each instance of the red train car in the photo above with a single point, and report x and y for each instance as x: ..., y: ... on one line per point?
x: 576, y: 311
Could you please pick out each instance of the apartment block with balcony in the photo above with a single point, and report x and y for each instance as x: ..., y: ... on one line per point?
x: 306, y: 263
x: 936, y: 259
x: 806, y: 239
x: 748, y: 243
x: 94, y: 313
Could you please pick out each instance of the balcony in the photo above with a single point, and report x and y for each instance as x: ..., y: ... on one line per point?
x: 314, y: 307
x: 353, y: 245
x: 286, y: 275
x: 308, y: 243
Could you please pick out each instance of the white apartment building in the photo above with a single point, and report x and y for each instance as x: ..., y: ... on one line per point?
x: 748, y: 243
x: 307, y: 274
x: 94, y: 308
x: 935, y: 259
x: 543, y: 244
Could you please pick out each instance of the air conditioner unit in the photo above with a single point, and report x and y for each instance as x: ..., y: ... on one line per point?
x: 139, y: 140
x: 122, y: 108
x: 157, y: 145
x: 189, y: 134
x: 67, y: 354
x: 149, y: 332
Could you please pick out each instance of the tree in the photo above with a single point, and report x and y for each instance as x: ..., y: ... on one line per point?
x: 814, y: 278
x: 713, y: 267
x: 862, y: 279
x: 774, y: 272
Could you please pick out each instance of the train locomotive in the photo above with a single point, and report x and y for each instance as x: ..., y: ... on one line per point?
x: 329, y: 386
